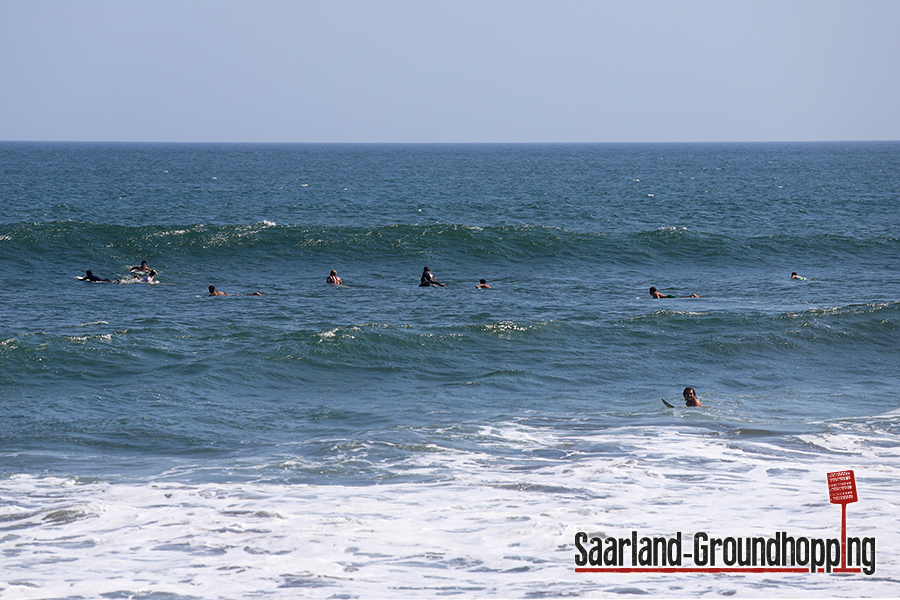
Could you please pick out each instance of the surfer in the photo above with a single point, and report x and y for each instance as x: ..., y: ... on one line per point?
x: 89, y: 276
x: 143, y: 268
x: 690, y: 397
x: 214, y: 292
x: 483, y: 285
x: 795, y: 276
x: 333, y: 278
x: 656, y: 294
x: 429, y: 280
x: 147, y: 278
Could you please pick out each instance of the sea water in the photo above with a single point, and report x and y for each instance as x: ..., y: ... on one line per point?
x: 379, y: 439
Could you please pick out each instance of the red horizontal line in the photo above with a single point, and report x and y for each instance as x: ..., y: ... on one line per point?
x: 706, y: 570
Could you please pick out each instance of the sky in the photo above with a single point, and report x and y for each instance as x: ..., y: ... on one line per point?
x: 484, y: 71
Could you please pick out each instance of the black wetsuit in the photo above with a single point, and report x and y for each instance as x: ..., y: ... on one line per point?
x: 428, y: 279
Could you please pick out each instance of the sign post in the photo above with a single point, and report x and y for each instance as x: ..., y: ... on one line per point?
x: 842, y: 490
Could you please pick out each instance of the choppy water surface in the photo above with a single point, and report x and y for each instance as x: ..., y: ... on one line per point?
x: 381, y: 439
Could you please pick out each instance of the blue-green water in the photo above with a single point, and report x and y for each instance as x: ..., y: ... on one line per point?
x: 511, y: 396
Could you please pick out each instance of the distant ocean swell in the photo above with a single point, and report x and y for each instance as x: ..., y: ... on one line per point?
x: 74, y: 241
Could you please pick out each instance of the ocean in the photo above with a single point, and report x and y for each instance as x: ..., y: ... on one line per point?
x: 381, y: 439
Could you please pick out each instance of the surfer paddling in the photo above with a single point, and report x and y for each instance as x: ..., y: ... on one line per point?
x: 89, y: 276
x: 795, y: 276
x: 214, y: 292
x: 656, y: 294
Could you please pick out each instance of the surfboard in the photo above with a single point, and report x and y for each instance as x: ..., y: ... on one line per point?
x: 666, y: 403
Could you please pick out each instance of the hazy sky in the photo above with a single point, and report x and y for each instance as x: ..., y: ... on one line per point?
x: 449, y: 71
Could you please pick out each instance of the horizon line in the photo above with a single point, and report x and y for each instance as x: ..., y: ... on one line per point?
x: 444, y: 143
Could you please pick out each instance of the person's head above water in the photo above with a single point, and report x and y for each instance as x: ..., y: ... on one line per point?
x: 652, y: 289
x: 333, y: 272
x: 426, y: 269
x: 212, y: 289
x: 690, y: 397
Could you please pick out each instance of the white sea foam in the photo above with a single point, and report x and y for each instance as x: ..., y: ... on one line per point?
x: 505, y: 327
x: 485, y: 527
x: 81, y: 339
x: 168, y: 233
x: 89, y: 324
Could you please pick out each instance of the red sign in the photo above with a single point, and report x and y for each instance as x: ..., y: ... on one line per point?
x: 842, y: 487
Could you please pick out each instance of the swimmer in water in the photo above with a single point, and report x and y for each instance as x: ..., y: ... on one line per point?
x: 795, y: 276
x: 690, y: 397
x: 143, y: 268
x: 333, y: 278
x: 483, y: 285
x: 429, y: 280
x: 656, y: 294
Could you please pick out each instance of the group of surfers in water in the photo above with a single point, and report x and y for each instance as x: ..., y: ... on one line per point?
x: 428, y: 279
x: 145, y: 274
x: 140, y: 274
